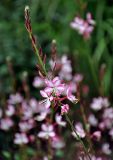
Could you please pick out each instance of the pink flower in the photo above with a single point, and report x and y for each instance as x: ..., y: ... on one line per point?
x: 96, y: 135
x: 78, y: 78
x: 59, y: 121
x: 92, y: 120
x: 66, y: 69
x: 54, y: 86
x: 6, y: 124
x: 10, y: 110
x: 84, y: 27
x: 15, y: 98
x: 47, y: 131
x: 106, y: 149
x: 33, y: 105
x: 80, y: 131
x: 64, y: 109
x: 38, y: 82
x: 45, y: 158
x: 27, y: 111
x: 21, y: 138
x: 26, y: 125
x: 42, y: 115
x: 57, y: 143
x: 48, y: 98
x: 99, y: 103
x: 89, y: 19
x: 71, y: 97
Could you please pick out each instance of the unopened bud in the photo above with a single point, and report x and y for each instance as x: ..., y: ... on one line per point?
x: 54, y: 41
x: 26, y: 8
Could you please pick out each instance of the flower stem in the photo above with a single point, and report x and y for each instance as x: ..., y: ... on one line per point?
x: 86, y: 128
x: 78, y: 137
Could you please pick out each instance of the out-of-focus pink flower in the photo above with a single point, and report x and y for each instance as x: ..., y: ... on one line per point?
x: 59, y: 121
x: 95, y: 158
x: 108, y: 123
x: 96, y: 135
x: 108, y: 113
x: 71, y: 97
x: 106, y: 149
x: 99, y: 103
x: 26, y: 125
x: 64, y: 109
x: 57, y: 143
x: 38, y: 82
x: 54, y: 86
x: 47, y: 131
x: 102, y: 125
x: 42, y: 115
x: 33, y: 104
x: 21, y: 138
x: 15, y: 98
x: 90, y: 19
x: 6, y: 124
x: 48, y: 98
x: 84, y: 27
x: 66, y: 69
x: 45, y: 158
x: 27, y: 111
x: 10, y: 111
x: 79, y: 130
x: 92, y: 120
x: 78, y: 78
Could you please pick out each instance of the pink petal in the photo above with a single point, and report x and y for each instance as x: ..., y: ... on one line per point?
x: 56, y: 81
x: 50, y: 128
x: 48, y: 83
x: 48, y: 90
x: 47, y: 104
x: 42, y: 134
x: 43, y: 94
x: 44, y: 127
x: 52, y: 134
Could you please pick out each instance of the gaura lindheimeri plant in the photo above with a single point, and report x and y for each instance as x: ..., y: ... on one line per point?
x: 39, y: 123
x: 56, y: 91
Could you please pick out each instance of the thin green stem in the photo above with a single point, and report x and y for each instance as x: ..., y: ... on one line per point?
x: 86, y: 128
x: 38, y: 55
x: 78, y: 137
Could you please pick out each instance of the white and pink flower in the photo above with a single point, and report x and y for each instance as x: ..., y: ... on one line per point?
x: 38, y: 82
x: 21, y: 138
x: 79, y: 130
x: 64, y: 109
x: 71, y: 97
x: 59, y: 120
x: 54, y: 86
x: 6, y: 124
x: 47, y: 131
x: 15, y: 98
x: 48, y: 98
x: 10, y: 111
x: 84, y: 27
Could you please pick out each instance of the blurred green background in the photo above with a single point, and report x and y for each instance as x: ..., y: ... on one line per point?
x: 51, y: 20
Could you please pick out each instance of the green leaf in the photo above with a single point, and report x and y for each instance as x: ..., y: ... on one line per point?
x: 99, y: 51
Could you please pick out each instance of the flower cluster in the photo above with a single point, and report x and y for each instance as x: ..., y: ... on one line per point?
x: 101, y: 120
x: 84, y: 27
